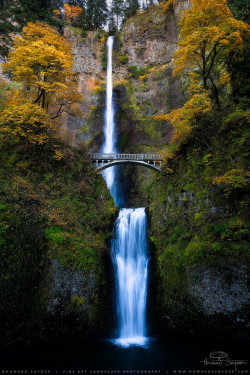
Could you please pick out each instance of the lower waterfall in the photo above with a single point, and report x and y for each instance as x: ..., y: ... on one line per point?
x: 129, y: 252
x: 129, y: 247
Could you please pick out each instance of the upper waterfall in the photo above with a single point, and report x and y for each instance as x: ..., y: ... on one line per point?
x: 109, y: 131
x: 109, y: 145
x: 129, y: 247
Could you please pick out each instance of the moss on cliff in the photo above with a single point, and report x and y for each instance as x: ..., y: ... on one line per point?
x: 51, y: 211
x: 196, y: 223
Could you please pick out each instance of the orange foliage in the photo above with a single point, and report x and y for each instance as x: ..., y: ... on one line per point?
x: 72, y: 12
x: 56, y: 12
x: 166, y: 6
x: 91, y: 84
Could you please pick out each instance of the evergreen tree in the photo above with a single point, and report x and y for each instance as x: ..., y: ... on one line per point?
x: 239, y: 9
x: 16, y: 14
x: 96, y: 14
x: 112, y: 26
x: 131, y: 7
x: 6, y: 27
x: 117, y: 11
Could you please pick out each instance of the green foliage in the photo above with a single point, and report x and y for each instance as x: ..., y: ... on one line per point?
x: 77, y: 303
x: 117, y: 11
x: 96, y: 14
x: 55, y: 235
x: 104, y: 60
x: 15, y: 15
x: 136, y: 72
x: 239, y: 9
x: 131, y: 8
x: 84, y: 34
x: 193, y: 222
x: 123, y: 59
x: 49, y: 209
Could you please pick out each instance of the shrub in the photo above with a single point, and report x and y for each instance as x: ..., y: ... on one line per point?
x: 136, y: 72
x: 123, y: 59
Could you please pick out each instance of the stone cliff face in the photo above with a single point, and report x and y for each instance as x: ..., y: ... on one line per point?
x: 198, y: 245
x: 143, y: 82
x: 199, y: 235
x: 88, y: 51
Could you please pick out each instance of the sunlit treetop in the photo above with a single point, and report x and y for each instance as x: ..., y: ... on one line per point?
x: 42, y: 61
x: 73, y: 12
x: 208, y: 32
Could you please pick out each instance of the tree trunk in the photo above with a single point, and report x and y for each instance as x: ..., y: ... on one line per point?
x: 216, y: 93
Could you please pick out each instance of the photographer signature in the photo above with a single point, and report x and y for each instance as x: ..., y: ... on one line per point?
x: 222, y: 358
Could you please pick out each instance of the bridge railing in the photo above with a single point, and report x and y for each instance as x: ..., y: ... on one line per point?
x: 116, y: 156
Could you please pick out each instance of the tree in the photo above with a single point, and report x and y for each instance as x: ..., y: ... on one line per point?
x: 96, y: 14
x: 208, y: 34
x: 131, y: 7
x: 112, y: 26
x: 26, y: 123
x: 72, y: 12
x: 42, y: 61
x: 239, y: 9
x: 186, y: 118
x: 117, y: 11
x: 16, y: 14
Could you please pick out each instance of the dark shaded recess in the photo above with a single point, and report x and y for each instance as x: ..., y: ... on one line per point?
x: 66, y: 326
x: 239, y: 70
x: 23, y: 266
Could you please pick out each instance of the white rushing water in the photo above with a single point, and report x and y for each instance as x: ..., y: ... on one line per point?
x: 129, y: 247
x: 109, y: 145
x: 129, y: 251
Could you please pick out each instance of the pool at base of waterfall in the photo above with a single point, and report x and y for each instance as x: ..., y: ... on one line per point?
x: 159, y: 356
x: 130, y: 341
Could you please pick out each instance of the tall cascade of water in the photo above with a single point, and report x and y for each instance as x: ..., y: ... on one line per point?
x: 129, y: 246
x: 129, y: 253
x: 109, y: 145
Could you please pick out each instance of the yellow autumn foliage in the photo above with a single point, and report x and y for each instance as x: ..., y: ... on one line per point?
x: 42, y: 61
x: 184, y: 119
x: 208, y: 34
x: 235, y: 178
x: 167, y: 5
x: 26, y: 122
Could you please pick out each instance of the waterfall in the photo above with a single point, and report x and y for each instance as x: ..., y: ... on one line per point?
x: 129, y: 245
x: 109, y: 145
x: 129, y: 251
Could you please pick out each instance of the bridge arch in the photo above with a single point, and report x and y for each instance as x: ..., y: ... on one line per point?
x: 137, y: 162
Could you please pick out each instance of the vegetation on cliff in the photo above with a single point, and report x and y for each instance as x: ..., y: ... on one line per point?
x: 199, y: 210
x: 55, y: 209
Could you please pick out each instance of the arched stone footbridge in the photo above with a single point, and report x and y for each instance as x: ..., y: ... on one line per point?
x: 104, y: 160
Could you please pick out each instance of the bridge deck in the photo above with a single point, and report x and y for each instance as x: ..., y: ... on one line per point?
x: 142, y: 157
